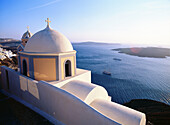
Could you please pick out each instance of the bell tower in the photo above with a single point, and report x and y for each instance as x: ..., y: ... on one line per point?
x: 26, y: 36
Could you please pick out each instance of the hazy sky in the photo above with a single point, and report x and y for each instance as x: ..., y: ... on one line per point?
x: 117, y: 21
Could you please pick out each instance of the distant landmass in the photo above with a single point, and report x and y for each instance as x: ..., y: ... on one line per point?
x: 9, y: 44
x: 8, y: 40
x: 153, y: 52
x: 94, y: 43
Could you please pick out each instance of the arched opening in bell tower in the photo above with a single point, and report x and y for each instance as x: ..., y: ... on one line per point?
x: 67, y: 68
x: 24, y: 68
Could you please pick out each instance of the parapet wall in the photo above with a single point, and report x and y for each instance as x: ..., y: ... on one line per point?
x: 54, y: 101
x: 85, y: 91
x: 119, y: 113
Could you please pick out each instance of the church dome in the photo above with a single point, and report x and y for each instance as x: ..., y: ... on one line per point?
x: 26, y: 35
x: 48, y: 40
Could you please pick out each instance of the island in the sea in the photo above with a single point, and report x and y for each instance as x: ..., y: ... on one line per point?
x: 153, y: 52
x: 94, y: 43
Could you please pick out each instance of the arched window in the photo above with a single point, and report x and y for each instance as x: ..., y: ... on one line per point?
x: 67, y: 68
x: 24, y: 67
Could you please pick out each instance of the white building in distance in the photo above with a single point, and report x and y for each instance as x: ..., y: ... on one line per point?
x: 50, y: 84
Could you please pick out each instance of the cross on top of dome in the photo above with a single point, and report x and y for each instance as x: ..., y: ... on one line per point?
x: 48, y: 22
x: 28, y: 28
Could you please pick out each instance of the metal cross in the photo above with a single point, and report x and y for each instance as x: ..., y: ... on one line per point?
x: 48, y: 21
x: 28, y: 27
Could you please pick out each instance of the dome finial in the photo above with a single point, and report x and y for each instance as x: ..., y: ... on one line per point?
x: 28, y: 28
x: 48, y: 21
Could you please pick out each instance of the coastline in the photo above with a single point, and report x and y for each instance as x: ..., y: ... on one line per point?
x: 151, y: 52
x: 157, y: 113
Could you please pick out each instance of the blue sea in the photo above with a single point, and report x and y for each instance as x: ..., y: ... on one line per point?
x: 131, y: 77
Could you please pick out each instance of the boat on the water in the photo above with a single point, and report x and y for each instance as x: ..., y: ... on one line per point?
x: 106, y: 73
x: 117, y: 59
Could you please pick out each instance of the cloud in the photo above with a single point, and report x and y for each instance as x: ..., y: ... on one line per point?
x: 44, y: 5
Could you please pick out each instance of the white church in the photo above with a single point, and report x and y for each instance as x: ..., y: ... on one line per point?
x: 48, y: 82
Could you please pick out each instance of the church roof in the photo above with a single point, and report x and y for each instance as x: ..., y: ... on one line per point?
x: 27, y: 35
x: 48, y: 40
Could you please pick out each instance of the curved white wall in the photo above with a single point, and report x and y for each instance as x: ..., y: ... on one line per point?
x: 56, y: 102
x: 85, y: 91
x: 119, y: 113
x: 67, y: 108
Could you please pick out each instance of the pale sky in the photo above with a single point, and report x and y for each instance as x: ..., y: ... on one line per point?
x: 116, y: 21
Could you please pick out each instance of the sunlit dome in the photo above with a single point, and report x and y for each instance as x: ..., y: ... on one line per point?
x: 48, y: 40
x: 26, y: 35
